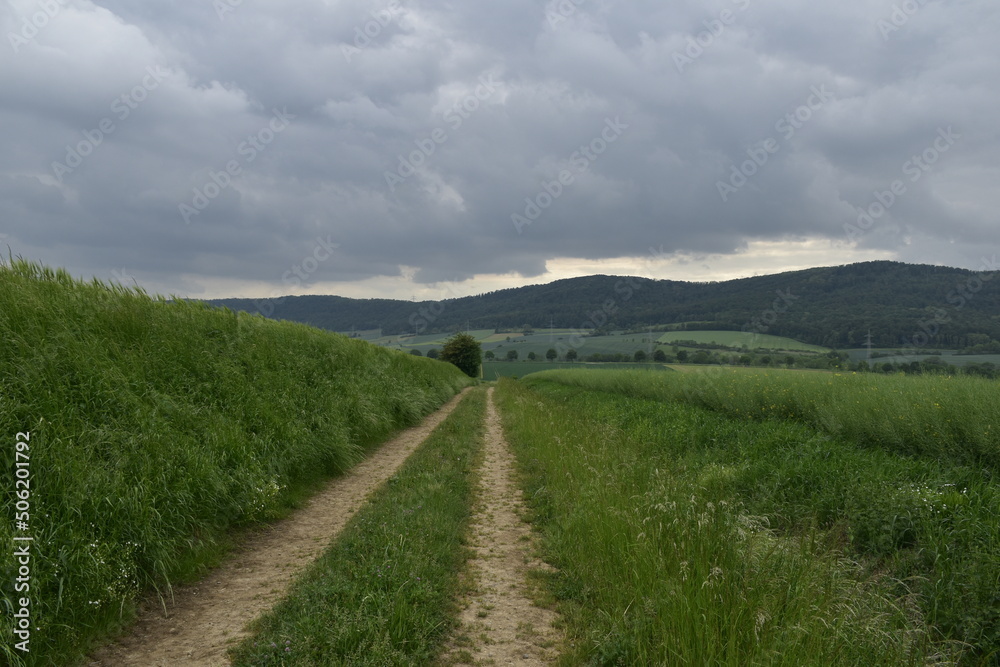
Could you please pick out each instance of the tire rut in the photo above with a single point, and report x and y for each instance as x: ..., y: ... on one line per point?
x: 500, y: 625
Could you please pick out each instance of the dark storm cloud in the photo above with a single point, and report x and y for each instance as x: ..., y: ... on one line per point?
x: 416, y: 134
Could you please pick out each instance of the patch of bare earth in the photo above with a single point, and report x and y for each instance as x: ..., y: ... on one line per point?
x: 204, y: 619
x: 500, y: 625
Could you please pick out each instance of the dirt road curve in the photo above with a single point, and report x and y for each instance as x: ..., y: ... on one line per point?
x: 207, y: 617
x: 500, y: 625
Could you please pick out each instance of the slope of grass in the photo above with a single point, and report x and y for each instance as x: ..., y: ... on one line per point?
x: 384, y: 593
x: 949, y: 418
x: 661, y: 561
x: 157, y: 427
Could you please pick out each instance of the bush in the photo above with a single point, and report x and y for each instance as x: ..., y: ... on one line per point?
x: 463, y: 351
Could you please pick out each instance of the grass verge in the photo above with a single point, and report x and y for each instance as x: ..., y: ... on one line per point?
x: 384, y: 593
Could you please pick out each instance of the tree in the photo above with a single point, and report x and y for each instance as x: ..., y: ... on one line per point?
x: 571, y: 355
x: 463, y: 351
x: 433, y: 354
x: 682, y: 356
x: 511, y: 355
x: 532, y: 356
x: 490, y: 356
x: 551, y: 355
x: 639, y: 356
x: 416, y: 353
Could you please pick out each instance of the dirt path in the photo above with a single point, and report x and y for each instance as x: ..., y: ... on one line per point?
x: 207, y: 617
x: 500, y: 624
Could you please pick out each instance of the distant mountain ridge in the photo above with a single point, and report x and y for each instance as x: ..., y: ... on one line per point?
x: 901, y: 304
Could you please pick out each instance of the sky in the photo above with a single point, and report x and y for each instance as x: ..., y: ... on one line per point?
x: 424, y: 149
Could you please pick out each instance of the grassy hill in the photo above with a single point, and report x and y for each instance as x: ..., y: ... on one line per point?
x: 155, y: 428
x: 836, y: 307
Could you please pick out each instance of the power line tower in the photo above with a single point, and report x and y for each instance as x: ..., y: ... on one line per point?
x: 868, y: 345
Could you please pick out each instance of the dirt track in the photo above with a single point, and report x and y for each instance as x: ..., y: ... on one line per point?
x: 500, y: 624
x: 205, y: 618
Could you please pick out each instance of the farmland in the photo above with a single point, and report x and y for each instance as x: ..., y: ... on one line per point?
x: 498, y: 369
x: 718, y: 515
x: 740, y: 339
x: 798, y: 526
x: 540, y: 341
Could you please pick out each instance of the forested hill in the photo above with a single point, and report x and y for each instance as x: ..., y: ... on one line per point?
x: 832, y: 306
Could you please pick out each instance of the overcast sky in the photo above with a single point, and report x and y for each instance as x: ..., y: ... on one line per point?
x: 433, y: 148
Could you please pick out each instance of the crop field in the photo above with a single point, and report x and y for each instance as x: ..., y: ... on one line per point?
x: 947, y: 356
x: 766, y: 518
x: 739, y: 339
x: 498, y: 369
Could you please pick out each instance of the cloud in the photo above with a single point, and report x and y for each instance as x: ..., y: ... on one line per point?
x: 164, y: 96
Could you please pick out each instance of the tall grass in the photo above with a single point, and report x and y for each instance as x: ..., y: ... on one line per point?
x: 926, y: 526
x: 384, y: 593
x: 157, y: 427
x: 948, y: 418
x: 657, y: 568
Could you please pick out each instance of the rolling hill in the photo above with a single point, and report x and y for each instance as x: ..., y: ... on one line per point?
x: 901, y: 304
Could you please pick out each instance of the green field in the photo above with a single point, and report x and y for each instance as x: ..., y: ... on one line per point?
x: 157, y: 428
x: 497, y: 369
x: 739, y: 339
x: 947, y: 356
x: 560, y: 340
x: 687, y: 523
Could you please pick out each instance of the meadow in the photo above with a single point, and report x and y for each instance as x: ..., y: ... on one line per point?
x: 158, y: 428
x: 689, y: 523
